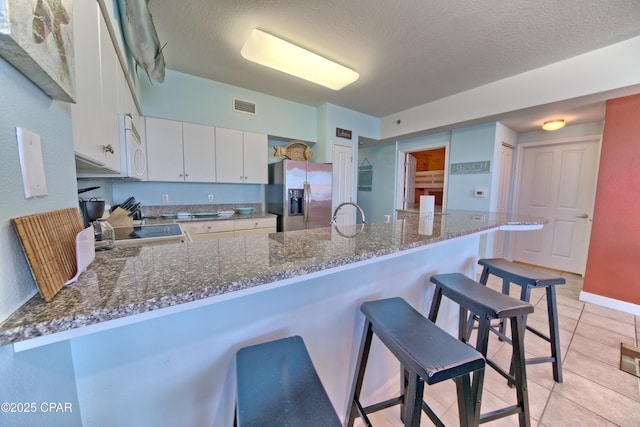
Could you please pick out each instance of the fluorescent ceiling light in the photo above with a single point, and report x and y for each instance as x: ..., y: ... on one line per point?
x: 281, y: 55
x: 553, y: 125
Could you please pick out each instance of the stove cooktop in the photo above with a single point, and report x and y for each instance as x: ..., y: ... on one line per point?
x: 147, y: 231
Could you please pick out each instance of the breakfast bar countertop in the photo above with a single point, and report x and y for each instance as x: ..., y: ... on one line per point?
x: 150, y: 281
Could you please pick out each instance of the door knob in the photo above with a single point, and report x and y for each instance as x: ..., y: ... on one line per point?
x: 583, y: 216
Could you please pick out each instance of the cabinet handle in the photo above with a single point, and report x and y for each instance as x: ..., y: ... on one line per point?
x: 181, y: 175
x: 107, y: 148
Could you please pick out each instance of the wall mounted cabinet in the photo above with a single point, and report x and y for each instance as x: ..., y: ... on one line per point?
x: 94, y: 115
x: 180, y: 152
x: 241, y: 157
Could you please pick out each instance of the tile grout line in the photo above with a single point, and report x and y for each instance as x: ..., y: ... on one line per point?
x: 553, y: 387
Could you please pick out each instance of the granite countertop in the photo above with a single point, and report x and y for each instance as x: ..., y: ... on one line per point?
x: 130, y: 281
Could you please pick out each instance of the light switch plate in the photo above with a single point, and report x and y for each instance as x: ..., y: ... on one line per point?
x: 30, y: 150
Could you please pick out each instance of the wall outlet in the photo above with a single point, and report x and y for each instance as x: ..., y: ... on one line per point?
x: 480, y: 193
x: 165, y: 198
x: 210, y: 198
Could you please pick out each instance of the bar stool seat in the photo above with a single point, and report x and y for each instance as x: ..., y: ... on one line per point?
x: 528, y: 279
x: 278, y: 386
x: 427, y: 354
x: 488, y: 304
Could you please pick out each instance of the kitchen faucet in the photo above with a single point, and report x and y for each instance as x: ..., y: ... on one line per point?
x: 335, y: 213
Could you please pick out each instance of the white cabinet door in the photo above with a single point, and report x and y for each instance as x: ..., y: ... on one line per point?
x: 164, y: 150
x: 255, y: 158
x: 241, y: 157
x: 110, y: 68
x: 199, y: 150
x: 85, y: 113
x: 229, y: 156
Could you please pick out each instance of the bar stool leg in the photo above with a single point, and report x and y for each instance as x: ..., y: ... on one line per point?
x: 518, y: 364
x: 361, y: 364
x: 482, y: 345
x: 466, y: 413
x: 506, y: 288
x: 554, y: 333
x: 413, y: 395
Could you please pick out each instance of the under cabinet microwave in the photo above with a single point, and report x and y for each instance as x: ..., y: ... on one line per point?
x: 133, y: 154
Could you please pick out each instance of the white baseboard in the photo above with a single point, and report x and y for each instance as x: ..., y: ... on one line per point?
x: 615, y: 304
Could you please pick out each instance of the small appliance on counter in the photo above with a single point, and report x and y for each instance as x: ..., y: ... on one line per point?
x: 104, y: 235
x: 92, y: 212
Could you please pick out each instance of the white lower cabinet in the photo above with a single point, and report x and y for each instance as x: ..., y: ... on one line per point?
x: 253, y: 226
x: 206, y: 230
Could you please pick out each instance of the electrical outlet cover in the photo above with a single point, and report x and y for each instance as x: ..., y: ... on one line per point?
x: 31, y: 164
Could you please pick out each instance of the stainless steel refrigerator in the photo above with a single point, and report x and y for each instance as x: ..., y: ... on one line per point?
x: 299, y: 192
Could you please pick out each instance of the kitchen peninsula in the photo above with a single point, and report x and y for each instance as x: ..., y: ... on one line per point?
x: 153, y: 329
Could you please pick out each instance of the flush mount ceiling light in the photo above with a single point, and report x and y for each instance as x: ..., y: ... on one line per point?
x: 553, y: 125
x: 281, y: 55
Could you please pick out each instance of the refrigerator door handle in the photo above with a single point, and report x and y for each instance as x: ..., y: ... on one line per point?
x: 307, y: 201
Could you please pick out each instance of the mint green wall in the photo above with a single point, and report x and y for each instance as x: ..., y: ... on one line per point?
x: 384, y: 159
x: 471, y: 144
x: 24, y: 105
x: 380, y: 200
x: 333, y: 117
x: 44, y: 374
x: 195, y: 99
x: 150, y: 193
x: 468, y: 144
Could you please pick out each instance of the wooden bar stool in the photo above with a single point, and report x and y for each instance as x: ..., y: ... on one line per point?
x: 488, y: 304
x: 426, y: 353
x: 528, y: 279
x: 278, y: 386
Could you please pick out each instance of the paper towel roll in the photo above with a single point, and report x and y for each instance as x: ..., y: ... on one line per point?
x: 425, y: 225
x: 427, y: 206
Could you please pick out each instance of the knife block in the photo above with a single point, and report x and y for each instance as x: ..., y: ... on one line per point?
x: 120, y: 218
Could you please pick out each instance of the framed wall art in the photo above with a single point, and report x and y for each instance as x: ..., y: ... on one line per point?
x: 36, y: 37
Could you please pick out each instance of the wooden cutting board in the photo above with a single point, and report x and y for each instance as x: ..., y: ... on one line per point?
x: 49, y: 243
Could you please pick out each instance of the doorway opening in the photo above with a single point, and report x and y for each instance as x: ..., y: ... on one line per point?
x: 422, y: 173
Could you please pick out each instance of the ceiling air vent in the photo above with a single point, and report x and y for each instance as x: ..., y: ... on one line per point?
x: 241, y: 106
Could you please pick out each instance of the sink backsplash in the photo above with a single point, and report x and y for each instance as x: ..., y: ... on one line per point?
x: 155, y: 211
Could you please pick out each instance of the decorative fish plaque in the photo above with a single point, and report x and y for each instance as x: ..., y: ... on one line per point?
x: 297, y: 150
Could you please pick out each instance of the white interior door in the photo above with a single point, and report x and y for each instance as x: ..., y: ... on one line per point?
x: 409, y: 199
x: 558, y: 182
x: 343, y: 182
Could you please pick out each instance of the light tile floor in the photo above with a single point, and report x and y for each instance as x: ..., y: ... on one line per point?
x: 595, y: 392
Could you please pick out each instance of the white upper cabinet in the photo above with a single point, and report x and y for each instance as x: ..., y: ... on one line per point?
x: 110, y: 68
x: 241, y: 157
x: 255, y: 158
x: 94, y: 115
x: 164, y: 150
x: 178, y: 151
x: 229, y: 161
x: 199, y: 150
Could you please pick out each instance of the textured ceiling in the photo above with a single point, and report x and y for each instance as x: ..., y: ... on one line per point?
x: 407, y: 52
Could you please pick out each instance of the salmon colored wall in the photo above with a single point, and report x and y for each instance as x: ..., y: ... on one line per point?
x: 613, y: 264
